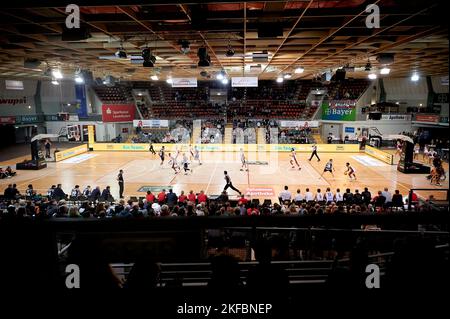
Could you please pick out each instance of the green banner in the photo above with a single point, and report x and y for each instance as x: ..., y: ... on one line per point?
x: 344, y: 110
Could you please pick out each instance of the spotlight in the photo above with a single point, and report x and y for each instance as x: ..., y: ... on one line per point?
x: 385, y: 71
x: 204, y: 60
x: 57, y: 74
x: 230, y: 51
x: 415, y: 77
x: 287, y: 76
x: 372, y: 76
x: 79, y: 79
x: 121, y: 53
x: 299, y: 70
x: 225, y: 81
x: 280, y: 79
x: 220, y: 75
x: 154, y: 77
x: 185, y: 46
x: 149, y: 58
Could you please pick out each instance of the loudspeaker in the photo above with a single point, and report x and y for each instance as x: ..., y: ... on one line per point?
x: 375, y: 116
x: 31, y: 63
x: 385, y: 58
x: 270, y: 30
x: 340, y: 75
x: 75, y: 34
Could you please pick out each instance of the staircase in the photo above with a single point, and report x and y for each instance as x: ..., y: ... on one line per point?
x: 260, y: 135
x: 228, y: 138
x: 196, y: 131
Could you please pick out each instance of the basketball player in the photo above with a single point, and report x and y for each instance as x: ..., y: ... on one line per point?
x: 186, y: 164
x: 151, y: 149
x: 350, y: 171
x: 161, y: 155
x: 328, y: 168
x: 177, y: 152
x: 399, y: 148
x: 314, y: 153
x: 294, y: 159
x: 243, y: 161
x: 173, y: 164
x: 197, y: 155
x: 416, y: 151
x: 229, y: 184
x: 191, y: 151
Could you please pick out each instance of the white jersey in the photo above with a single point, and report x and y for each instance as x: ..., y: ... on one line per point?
x: 298, y: 197
x: 309, y: 196
x: 329, y: 166
x: 319, y: 197
x: 196, y: 153
x: 339, y: 197
x: 242, y: 155
x: 329, y: 196
x: 185, y: 160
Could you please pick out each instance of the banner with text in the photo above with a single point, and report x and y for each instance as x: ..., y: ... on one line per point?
x: 394, y: 117
x: 118, y: 112
x: 150, y: 123
x: 184, y: 82
x: 299, y: 124
x: 244, y: 81
x: 7, y: 119
x: 342, y: 110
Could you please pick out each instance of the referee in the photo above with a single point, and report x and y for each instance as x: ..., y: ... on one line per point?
x: 120, y: 180
x: 314, y: 153
x: 229, y: 184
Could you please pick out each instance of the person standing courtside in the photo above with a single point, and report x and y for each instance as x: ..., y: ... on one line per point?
x: 229, y: 184
x: 121, y: 183
x: 48, y: 145
x: 314, y: 153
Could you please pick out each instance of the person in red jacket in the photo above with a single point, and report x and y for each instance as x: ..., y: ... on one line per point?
x: 162, y: 197
x: 150, y: 197
x: 242, y: 200
x: 191, y: 196
x: 202, y: 198
x: 182, y: 198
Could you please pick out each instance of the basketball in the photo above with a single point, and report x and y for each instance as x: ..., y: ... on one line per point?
x: 345, y: 173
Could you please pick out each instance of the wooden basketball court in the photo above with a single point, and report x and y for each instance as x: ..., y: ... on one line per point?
x: 266, y: 180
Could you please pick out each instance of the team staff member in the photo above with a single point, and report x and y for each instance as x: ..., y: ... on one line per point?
x: 121, y: 183
x: 151, y: 149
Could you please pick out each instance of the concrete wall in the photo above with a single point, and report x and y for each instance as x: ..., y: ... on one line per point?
x: 406, y: 92
x: 17, y: 102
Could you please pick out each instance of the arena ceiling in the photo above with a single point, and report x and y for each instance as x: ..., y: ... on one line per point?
x: 316, y: 35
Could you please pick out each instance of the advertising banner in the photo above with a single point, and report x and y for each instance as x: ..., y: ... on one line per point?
x: 244, y: 81
x: 311, y: 124
x: 118, y: 112
x: 427, y: 118
x: 342, y: 110
x: 184, y: 82
x: 7, y: 120
x: 378, y: 154
x: 150, y: 123
x: 74, y: 151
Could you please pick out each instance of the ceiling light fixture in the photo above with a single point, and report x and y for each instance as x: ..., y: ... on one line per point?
x: 79, y: 79
x: 55, y: 82
x: 169, y: 81
x: 299, y: 70
x: 385, y: 71
x: 225, y: 81
x: 415, y: 77
x: 57, y: 74
x: 372, y: 76
x: 280, y: 79
x: 154, y: 77
x: 287, y: 76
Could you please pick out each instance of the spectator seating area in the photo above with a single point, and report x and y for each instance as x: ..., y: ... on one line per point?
x: 114, y: 94
x: 269, y: 100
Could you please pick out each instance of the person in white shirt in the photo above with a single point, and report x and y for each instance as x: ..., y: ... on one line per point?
x: 294, y: 159
x: 329, y: 195
x: 387, y: 194
x: 309, y: 196
x: 156, y: 208
x: 285, y: 195
x: 243, y: 160
x: 319, y: 195
x: 338, y: 196
x: 298, y: 197
x: 199, y: 211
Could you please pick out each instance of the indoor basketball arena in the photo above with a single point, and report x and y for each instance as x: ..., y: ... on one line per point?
x: 237, y: 147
